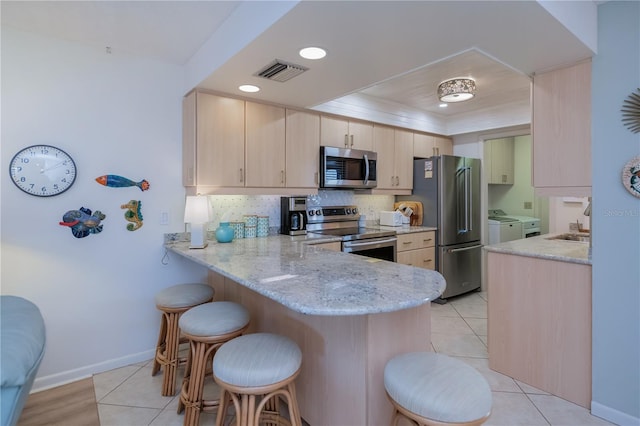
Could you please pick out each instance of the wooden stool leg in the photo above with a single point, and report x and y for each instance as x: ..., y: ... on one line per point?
x: 160, y: 346
x: 193, y: 384
x: 171, y: 354
x: 294, y: 410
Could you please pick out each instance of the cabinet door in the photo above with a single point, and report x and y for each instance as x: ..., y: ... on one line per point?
x: 403, y: 159
x: 500, y: 161
x: 265, y: 145
x: 189, y: 140
x: 219, y: 141
x: 360, y: 135
x: 423, y: 145
x: 384, y: 145
x: 334, y: 132
x: 561, y: 136
x: 443, y: 145
x: 302, y: 149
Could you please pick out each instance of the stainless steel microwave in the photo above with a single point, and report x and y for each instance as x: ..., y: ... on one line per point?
x: 347, y: 168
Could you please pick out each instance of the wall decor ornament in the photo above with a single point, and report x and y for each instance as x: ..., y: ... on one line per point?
x: 631, y: 111
x: 133, y: 214
x: 42, y: 170
x: 115, y: 181
x: 83, y: 222
x: 631, y: 176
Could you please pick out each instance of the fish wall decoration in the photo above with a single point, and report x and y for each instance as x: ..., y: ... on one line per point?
x: 133, y: 214
x: 82, y: 222
x: 115, y: 181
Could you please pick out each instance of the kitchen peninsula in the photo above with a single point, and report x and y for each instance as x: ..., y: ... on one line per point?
x: 539, y: 314
x: 349, y: 314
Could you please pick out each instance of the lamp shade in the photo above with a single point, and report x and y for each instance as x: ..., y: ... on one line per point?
x: 457, y: 90
x: 196, y: 209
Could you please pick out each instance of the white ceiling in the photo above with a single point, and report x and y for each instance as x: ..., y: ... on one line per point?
x: 385, y: 58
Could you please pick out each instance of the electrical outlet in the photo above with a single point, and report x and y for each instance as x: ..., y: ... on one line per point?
x: 164, y: 218
x: 528, y: 205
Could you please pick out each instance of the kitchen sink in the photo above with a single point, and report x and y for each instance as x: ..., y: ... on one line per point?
x: 572, y: 236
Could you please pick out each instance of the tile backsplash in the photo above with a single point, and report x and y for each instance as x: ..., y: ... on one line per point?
x: 235, y: 206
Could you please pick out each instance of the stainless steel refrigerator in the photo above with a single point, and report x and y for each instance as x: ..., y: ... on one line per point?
x: 449, y: 189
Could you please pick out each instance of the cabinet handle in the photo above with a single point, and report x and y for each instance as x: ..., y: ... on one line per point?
x: 427, y: 240
x: 392, y: 184
x: 397, y: 181
x: 504, y: 178
x: 406, y: 242
x: 426, y: 261
x: 282, y: 177
x: 346, y: 141
x: 241, y: 176
x: 351, y: 141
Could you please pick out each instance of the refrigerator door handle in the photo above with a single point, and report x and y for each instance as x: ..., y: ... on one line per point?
x: 461, y: 216
x: 463, y: 249
x: 468, y: 199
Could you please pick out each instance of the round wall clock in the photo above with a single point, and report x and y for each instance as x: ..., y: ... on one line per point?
x: 631, y: 176
x: 42, y: 170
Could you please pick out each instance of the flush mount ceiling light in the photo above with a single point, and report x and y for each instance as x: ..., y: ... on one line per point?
x: 457, y: 89
x: 313, y: 53
x: 249, y: 88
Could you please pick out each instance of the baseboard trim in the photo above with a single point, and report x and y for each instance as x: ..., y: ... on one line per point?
x: 613, y: 416
x: 69, y: 376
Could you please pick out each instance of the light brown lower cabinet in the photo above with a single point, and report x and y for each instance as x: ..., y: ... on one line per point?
x: 539, y: 323
x: 417, y: 249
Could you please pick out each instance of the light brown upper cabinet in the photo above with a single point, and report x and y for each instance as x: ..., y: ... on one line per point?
x: 265, y: 145
x: 213, y: 141
x: 345, y: 133
x: 425, y: 146
x: 561, y: 136
x: 302, y: 149
x: 395, y: 157
x: 498, y: 161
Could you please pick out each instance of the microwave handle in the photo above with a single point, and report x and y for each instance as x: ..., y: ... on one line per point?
x: 366, y: 169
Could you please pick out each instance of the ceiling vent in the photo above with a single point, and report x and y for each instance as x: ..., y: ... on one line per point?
x: 281, y: 71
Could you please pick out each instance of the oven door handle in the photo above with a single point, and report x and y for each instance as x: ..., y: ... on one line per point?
x: 370, y: 241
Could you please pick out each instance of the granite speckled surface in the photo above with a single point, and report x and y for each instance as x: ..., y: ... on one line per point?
x: 544, y: 248
x: 311, y: 280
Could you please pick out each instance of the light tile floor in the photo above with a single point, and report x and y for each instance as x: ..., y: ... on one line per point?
x: 129, y: 396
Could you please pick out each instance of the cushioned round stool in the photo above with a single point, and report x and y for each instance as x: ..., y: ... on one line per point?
x: 207, y: 327
x: 173, y: 302
x: 434, y: 389
x: 258, y: 365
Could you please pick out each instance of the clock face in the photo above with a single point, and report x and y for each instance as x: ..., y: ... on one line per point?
x: 42, y: 170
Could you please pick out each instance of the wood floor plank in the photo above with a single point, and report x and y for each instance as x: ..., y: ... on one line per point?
x: 73, y: 404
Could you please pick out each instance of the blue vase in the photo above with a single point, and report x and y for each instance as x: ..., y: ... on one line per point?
x: 224, y: 233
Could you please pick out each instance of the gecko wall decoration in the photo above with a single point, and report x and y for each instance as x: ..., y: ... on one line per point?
x: 133, y: 214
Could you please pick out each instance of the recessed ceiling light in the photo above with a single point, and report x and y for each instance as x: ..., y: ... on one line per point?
x: 443, y: 105
x: 313, y: 53
x: 249, y: 88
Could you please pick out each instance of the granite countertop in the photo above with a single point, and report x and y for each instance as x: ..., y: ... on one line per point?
x: 544, y: 248
x: 311, y: 280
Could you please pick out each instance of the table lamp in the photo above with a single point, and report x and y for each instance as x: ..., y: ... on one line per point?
x: 196, y: 213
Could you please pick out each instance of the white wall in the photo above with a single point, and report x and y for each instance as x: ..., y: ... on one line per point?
x: 615, y: 219
x: 113, y: 114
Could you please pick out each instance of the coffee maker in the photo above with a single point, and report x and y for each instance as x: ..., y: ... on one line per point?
x: 293, y: 215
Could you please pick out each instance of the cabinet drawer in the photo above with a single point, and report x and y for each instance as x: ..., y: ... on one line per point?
x: 420, y: 258
x: 416, y: 240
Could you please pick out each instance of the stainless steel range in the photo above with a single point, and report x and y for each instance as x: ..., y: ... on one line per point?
x: 343, y: 221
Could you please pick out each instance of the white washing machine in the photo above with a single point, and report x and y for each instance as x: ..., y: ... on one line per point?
x: 530, y: 225
x: 502, y: 229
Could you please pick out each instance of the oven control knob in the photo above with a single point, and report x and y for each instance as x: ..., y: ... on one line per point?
x: 311, y: 212
x: 355, y: 211
x: 348, y: 211
x: 318, y: 212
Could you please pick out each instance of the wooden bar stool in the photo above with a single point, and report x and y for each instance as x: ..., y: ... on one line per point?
x: 435, y: 390
x: 173, y: 302
x: 258, y: 365
x: 207, y: 327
